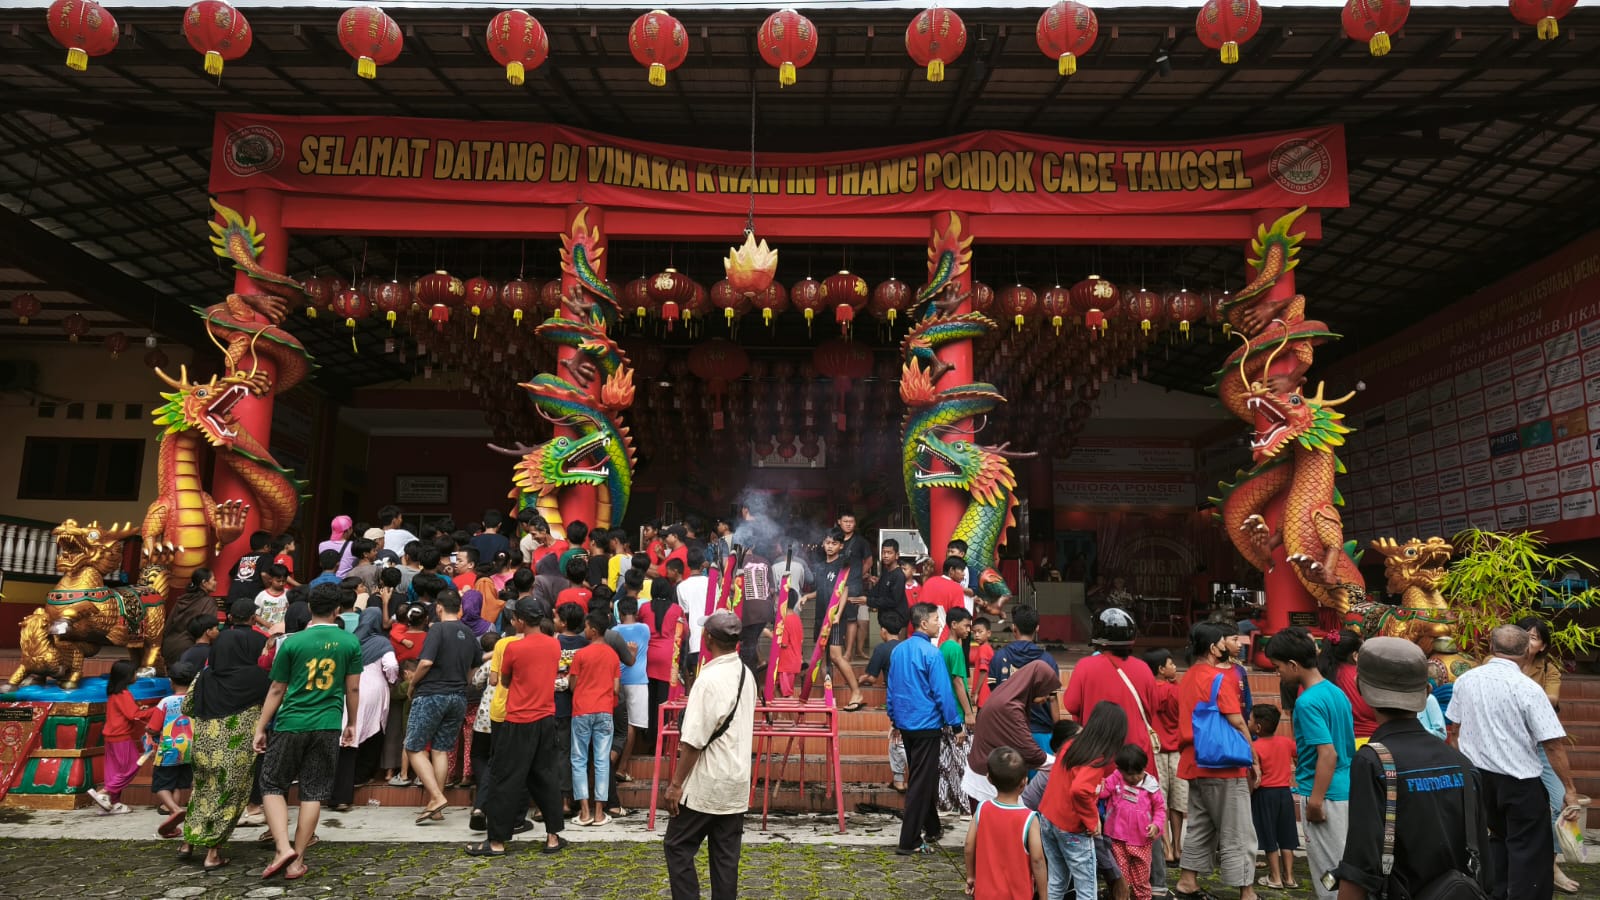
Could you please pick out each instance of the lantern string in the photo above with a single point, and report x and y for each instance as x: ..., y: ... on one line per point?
x: 750, y: 216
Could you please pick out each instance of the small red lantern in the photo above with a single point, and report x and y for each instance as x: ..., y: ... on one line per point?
x: 352, y: 305
x: 1146, y: 306
x: 718, y: 362
x: 671, y: 291
x: 808, y: 295
x: 25, y: 306
x: 725, y: 298
x: 982, y: 297
x: 1065, y: 32
x: 84, y: 28
x: 889, y: 298
x: 636, y: 294
x: 76, y: 326
x: 1096, y: 299
x: 480, y: 294
x: 550, y: 297
x: 1184, y: 307
x: 935, y: 39
x: 218, y: 30
x: 320, y: 292
x: 842, y: 361
x: 440, y: 288
x: 518, y: 296
x: 848, y: 293
x: 369, y: 35
x: 391, y: 298
x: 1225, y: 24
x: 1056, y: 302
x: 1374, y: 21
x: 773, y: 300
x: 517, y: 41
x: 155, y: 358
x: 787, y: 41
x: 659, y: 41
x: 1542, y: 14
x: 1019, y: 301
x: 116, y: 342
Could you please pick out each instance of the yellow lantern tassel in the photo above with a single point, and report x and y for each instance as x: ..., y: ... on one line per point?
x: 729, y: 314
x: 891, y: 316
x: 1144, y: 326
x: 1056, y: 321
x: 786, y: 74
x: 1183, y: 328
x: 640, y: 312
x: 1067, y: 65
x: 1379, y: 45
x: 516, y: 317
x: 351, y: 324
x: 766, y: 316
x: 311, y: 312
x: 810, y: 314
x: 213, y: 62
x: 1230, y: 53
x: 366, y: 68
x: 1018, y: 320
x: 658, y: 74
x: 1548, y: 28
x: 77, y: 59
x: 935, y: 70
x: 515, y: 73
x: 1227, y: 330
x: 390, y: 315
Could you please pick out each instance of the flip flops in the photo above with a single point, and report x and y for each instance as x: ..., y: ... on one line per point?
x: 279, y: 866
x: 1268, y: 883
x: 482, y: 848
x: 209, y: 868
x: 431, y: 814
x: 561, y: 844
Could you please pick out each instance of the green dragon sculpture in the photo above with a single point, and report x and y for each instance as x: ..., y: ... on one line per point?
x: 599, y: 455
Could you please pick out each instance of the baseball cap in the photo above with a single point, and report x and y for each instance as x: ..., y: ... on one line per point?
x: 373, y: 534
x: 528, y: 609
x: 724, y: 626
x: 1392, y: 673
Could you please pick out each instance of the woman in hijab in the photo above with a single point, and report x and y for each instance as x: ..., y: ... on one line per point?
x: 224, y: 704
x: 197, y: 600
x: 1003, y: 722
x: 379, y: 670
x: 472, y: 613
x: 340, y: 541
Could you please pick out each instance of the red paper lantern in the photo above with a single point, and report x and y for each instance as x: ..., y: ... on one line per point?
x: 76, y: 326
x: 550, y: 297
x: 1065, y: 32
x: 718, y: 362
x: 155, y: 358
x: 217, y: 30
x: 1374, y: 21
x: 440, y: 288
x: 982, y: 297
x: 1096, y: 299
x: 480, y: 294
x: 391, y: 298
x: 1146, y: 306
x: 25, y: 306
x: 116, y: 342
x: 636, y: 294
x: 725, y: 298
x: 517, y: 41
x: 1056, y: 302
x: 890, y: 298
x: 84, y: 28
x: 1184, y: 307
x: 935, y: 39
x: 1543, y: 14
x: 808, y: 295
x: 787, y: 41
x: 1225, y: 24
x: 773, y: 300
x: 842, y: 361
x: 369, y: 35
x: 672, y: 291
x: 518, y: 296
x: 1019, y: 301
x: 320, y: 291
x: 659, y: 41
x: 352, y: 305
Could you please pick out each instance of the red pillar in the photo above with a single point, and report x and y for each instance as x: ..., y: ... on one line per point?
x: 580, y: 503
x: 947, y: 505
x: 254, y: 413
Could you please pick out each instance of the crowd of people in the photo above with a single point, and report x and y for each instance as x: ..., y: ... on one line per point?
x: 532, y: 667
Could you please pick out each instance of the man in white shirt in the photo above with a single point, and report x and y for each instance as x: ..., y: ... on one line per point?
x: 692, y: 598
x: 395, y: 535
x: 710, y: 789
x: 1500, y: 718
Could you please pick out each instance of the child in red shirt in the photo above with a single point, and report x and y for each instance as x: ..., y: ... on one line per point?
x: 595, y: 676
x: 998, y: 865
x: 978, y: 659
x: 124, y: 736
x: 1271, y: 805
x: 1070, y: 805
x: 1164, y: 717
x: 791, y: 647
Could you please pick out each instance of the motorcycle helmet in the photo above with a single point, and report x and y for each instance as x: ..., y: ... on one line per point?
x: 1113, y: 627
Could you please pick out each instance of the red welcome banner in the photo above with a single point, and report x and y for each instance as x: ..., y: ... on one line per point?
x: 982, y: 172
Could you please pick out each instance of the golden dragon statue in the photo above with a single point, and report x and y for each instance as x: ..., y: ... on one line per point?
x: 1413, y: 571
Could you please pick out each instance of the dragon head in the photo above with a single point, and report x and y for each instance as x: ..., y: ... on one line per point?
x: 980, y: 471
x: 88, y: 550
x: 992, y: 589
x: 207, y: 406
x: 562, y: 461
x: 1284, y: 413
x: 1416, y: 563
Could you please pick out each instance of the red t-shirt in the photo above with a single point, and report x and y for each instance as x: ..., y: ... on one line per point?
x: 1166, y: 715
x: 465, y: 581
x: 575, y: 594
x: 123, y: 720
x: 1194, y: 689
x: 593, y: 676
x: 682, y: 554
x: 913, y: 593
x: 1095, y: 679
x: 1366, y: 720
x: 978, y: 668
x: 287, y: 561
x: 1072, y: 796
x: 1003, y: 870
x: 398, y: 633
x: 528, y: 670
x: 658, y: 663
x: 792, y: 645
x: 1276, y: 756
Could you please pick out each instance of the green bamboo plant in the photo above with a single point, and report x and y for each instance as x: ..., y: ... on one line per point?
x: 1495, y: 580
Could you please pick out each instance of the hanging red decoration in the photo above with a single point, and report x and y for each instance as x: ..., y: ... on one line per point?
x: 787, y: 41
x: 718, y: 362
x: 320, y: 291
x: 519, y: 296
x: 480, y: 294
x: 935, y: 39
x: 550, y: 297
x: 725, y: 298
x: 848, y: 293
x: 808, y: 295
x: 636, y: 295
x: 85, y: 28
x: 25, y: 306
x: 76, y: 326
x: 1146, y: 306
x: 369, y: 35
x: 353, y: 306
x: 390, y: 298
x: 659, y: 41
x: 1225, y: 24
x: 842, y: 361
x: 773, y: 300
x: 1056, y: 302
x: 116, y: 342
x: 699, y: 302
x: 440, y: 288
x: 1019, y: 301
x: 1066, y: 31
x: 1373, y: 21
x: 890, y: 298
x: 1213, y: 301
x: 1542, y: 14
x: 517, y: 41
x: 219, y: 31
x: 155, y: 358
x: 1096, y: 299
x: 1184, y: 307
x: 671, y: 291
x: 982, y: 297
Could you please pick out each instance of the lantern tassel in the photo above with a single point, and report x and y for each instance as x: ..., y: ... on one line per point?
x: 213, y: 63
x: 1068, y: 64
x: 391, y: 317
x: 351, y: 324
x: 311, y: 312
x: 658, y: 74
x: 1183, y: 327
x: 786, y: 73
x: 1548, y: 28
x: 515, y: 73
x: 366, y: 68
x: 1230, y: 53
x: 516, y: 317
x: 77, y: 59
x: 766, y: 316
x: 935, y: 70
x: 1056, y: 321
x: 1379, y: 45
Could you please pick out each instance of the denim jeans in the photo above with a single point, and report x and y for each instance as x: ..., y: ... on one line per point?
x: 1071, y: 859
x: 591, y: 739
x: 1555, y: 791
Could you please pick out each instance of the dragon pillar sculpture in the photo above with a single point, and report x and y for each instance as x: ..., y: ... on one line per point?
x: 1282, y: 514
x: 938, y: 446
x: 588, y: 466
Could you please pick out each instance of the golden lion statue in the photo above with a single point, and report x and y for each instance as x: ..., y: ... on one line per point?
x: 1414, y: 571
x: 82, y: 614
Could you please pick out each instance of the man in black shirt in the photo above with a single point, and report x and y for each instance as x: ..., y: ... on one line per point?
x: 888, y: 592
x: 439, y: 700
x: 1434, y: 833
x: 244, y: 582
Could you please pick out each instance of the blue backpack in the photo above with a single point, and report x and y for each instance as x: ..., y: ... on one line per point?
x: 1217, y: 744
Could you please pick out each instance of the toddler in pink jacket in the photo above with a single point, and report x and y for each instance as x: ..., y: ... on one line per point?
x: 1136, y: 815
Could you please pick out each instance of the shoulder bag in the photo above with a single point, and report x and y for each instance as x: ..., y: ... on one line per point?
x: 1155, y: 740
x: 1217, y: 744
x: 1452, y: 885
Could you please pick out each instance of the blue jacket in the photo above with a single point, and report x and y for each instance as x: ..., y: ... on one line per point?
x: 919, y: 693
x: 1011, y: 658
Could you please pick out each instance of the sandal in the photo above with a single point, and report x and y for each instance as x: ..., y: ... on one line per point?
x: 1266, y: 882
x: 853, y: 706
x: 289, y: 874
x: 585, y: 822
x: 561, y: 844
x: 624, y: 778
x: 902, y: 851
x: 208, y: 868
x: 186, y: 854
x: 482, y: 848
x: 430, y: 815
x: 601, y: 822
x: 277, y: 867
